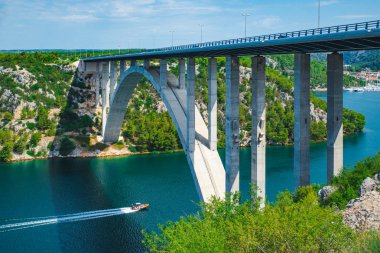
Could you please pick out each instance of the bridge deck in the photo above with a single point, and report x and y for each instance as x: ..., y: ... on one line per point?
x: 352, y: 37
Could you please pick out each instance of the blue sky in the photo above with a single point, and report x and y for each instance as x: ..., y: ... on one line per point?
x: 69, y: 24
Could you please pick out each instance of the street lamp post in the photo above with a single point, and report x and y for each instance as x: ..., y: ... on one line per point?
x: 201, y: 26
x: 245, y: 22
x: 319, y: 13
x: 172, y: 36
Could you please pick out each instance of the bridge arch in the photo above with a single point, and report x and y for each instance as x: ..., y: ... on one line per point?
x: 121, y: 96
x: 205, y: 164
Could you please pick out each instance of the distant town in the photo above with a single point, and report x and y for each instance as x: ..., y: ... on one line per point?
x: 371, y: 79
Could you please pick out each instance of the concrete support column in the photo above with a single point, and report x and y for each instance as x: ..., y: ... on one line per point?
x: 181, y: 68
x: 258, y: 141
x: 190, y: 104
x: 97, y: 84
x: 301, y: 119
x: 232, y: 124
x: 163, y: 74
x: 113, y: 79
x: 146, y: 63
x: 122, y: 67
x: 334, y: 115
x: 105, y: 82
x: 212, y: 104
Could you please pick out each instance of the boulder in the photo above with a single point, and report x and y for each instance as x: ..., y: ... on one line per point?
x: 326, y: 191
x: 368, y: 185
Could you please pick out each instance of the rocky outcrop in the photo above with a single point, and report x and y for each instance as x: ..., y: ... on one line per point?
x: 363, y: 213
x: 368, y: 185
x: 20, y: 76
x: 326, y: 191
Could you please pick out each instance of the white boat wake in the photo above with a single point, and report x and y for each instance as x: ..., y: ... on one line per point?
x: 47, y: 220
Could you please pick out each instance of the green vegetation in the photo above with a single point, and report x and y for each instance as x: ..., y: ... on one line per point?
x: 350, y: 180
x: 6, y: 153
x: 54, y: 104
x: 49, y: 78
x: 67, y: 146
x: 295, y: 223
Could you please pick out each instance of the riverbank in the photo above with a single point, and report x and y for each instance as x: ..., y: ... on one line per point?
x: 354, y: 89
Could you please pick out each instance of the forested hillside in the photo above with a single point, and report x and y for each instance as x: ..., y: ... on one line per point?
x: 48, y: 110
x: 358, y: 60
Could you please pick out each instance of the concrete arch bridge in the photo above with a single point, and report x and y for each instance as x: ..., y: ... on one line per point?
x: 198, y: 139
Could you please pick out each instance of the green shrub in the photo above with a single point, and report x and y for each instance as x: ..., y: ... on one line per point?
x: 20, y: 144
x: 35, y: 139
x: 7, y: 117
x: 226, y: 226
x: 6, y: 153
x: 30, y: 125
x: 67, y: 146
x: 348, y: 183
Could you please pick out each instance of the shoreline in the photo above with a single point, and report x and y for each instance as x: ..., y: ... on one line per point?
x: 114, y: 155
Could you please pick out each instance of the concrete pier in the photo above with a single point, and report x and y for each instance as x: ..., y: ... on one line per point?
x: 212, y: 104
x: 190, y: 113
x: 122, y: 67
x: 146, y: 63
x: 163, y: 74
x: 182, y: 71
x: 113, y: 79
x: 301, y: 119
x: 258, y: 141
x: 232, y: 124
x: 105, y: 96
x: 334, y: 115
x: 97, y: 84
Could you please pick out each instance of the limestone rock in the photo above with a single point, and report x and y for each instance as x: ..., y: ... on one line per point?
x: 326, y: 191
x: 368, y: 185
x: 364, y: 213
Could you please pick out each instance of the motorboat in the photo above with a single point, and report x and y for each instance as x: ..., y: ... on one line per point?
x: 139, y: 206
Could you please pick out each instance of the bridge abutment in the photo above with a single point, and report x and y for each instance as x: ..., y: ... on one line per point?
x: 212, y: 104
x: 232, y: 124
x: 301, y: 119
x: 258, y: 139
x: 334, y: 115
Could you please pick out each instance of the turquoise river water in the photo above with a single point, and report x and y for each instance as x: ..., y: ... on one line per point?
x: 48, y: 206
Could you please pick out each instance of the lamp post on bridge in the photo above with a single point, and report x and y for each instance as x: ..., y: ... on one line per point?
x: 245, y: 15
x: 319, y: 13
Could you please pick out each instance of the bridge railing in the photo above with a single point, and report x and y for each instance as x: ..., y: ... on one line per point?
x: 296, y: 34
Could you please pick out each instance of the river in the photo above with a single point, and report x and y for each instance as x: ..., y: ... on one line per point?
x: 73, y: 186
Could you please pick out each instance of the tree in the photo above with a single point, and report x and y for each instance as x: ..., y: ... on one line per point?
x: 6, y: 153
x: 20, y: 144
x: 43, y: 121
x: 67, y: 146
x: 35, y: 138
x: 295, y: 223
x: 7, y: 117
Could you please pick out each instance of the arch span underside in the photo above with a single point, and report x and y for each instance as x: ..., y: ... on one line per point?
x: 205, y: 164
